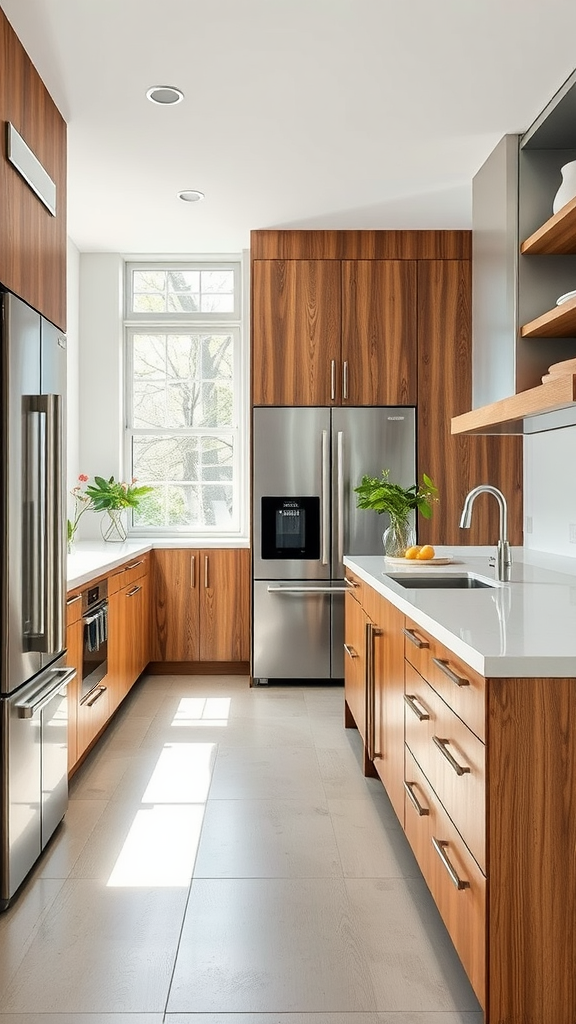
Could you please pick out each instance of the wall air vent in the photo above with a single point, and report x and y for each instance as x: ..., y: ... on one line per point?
x: 29, y: 167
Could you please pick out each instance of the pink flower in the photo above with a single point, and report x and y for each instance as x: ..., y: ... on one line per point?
x: 83, y: 478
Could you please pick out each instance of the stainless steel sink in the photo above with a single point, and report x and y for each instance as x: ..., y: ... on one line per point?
x: 454, y: 582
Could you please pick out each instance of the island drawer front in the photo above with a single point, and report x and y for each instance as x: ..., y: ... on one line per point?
x: 463, y: 910
x: 460, y: 686
x: 128, y: 573
x: 456, y: 769
x: 73, y: 607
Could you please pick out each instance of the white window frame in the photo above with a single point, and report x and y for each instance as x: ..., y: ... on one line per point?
x: 198, y: 322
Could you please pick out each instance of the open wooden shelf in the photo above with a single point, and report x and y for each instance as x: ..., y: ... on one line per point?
x: 509, y: 412
x: 557, y: 237
x: 559, y: 322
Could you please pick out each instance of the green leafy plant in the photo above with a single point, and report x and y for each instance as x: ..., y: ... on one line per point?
x: 110, y: 494
x: 379, y: 494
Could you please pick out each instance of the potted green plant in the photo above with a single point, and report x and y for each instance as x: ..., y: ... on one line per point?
x: 113, y: 496
x: 379, y: 494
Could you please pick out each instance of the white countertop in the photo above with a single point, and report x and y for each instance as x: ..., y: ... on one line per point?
x: 523, y: 628
x: 93, y: 558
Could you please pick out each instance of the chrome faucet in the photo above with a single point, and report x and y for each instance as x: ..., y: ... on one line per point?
x: 503, y: 560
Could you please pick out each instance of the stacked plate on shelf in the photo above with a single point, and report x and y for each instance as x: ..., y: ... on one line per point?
x: 567, y: 366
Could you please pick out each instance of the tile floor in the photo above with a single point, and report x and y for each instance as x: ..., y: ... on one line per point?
x: 224, y: 861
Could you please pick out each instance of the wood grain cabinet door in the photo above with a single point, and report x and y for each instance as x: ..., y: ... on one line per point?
x: 354, y: 661
x: 296, y: 311
x: 225, y: 604
x: 379, y: 332
x: 175, y: 603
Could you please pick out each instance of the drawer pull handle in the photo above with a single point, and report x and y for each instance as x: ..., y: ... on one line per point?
x: 134, y: 565
x: 410, y: 699
x: 351, y: 583
x: 94, y: 696
x: 72, y: 600
x: 350, y: 651
x: 442, y: 747
x: 414, y: 639
x: 130, y: 593
x: 453, y: 676
x: 421, y: 811
x: 439, y: 845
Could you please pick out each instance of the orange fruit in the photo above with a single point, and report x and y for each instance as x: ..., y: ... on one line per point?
x: 412, y: 552
x: 426, y: 552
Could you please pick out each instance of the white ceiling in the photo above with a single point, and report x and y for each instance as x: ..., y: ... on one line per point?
x: 298, y: 113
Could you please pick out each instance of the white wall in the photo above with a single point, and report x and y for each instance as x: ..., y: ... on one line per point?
x: 100, y: 388
x: 550, y: 491
x: 73, y: 365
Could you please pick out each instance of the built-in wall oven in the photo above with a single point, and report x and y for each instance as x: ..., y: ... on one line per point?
x: 95, y: 644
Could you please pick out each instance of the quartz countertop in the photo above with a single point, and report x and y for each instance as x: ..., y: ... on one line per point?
x: 94, y: 558
x: 523, y: 628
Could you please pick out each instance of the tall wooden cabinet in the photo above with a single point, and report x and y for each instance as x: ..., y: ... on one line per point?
x: 32, y: 240
x: 201, y: 604
x: 383, y: 318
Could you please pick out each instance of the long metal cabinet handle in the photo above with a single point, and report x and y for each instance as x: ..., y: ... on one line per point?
x: 29, y: 708
x: 442, y: 747
x: 370, y: 691
x: 452, y: 676
x: 345, y: 379
x: 134, y: 565
x: 439, y: 845
x: 340, y: 493
x: 96, y: 694
x: 206, y: 571
x: 414, y: 799
x: 411, y: 635
x: 325, y: 499
x: 410, y: 699
x: 333, y: 380
x: 192, y: 572
x: 72, y: 600
x: 306, y: 590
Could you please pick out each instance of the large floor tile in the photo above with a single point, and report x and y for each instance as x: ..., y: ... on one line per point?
x: 412, y: 961
x: 18, y: 924
x: 370, y: 841
x: 267, y: 839
x: 341, y: 772
x: 98, y: 777
x: 248, y: 731
x: 82, y: 1018
x: 270, y: 945
x: 70, y: 838
x: 99, y: 950
x: 244, y: 773
x: 408, y: 1017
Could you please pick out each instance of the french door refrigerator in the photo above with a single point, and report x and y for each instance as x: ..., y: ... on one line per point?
x: 306, y: 463
x: 33, y: 677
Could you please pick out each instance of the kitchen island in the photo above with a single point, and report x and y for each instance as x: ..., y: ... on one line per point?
x: 465, y: 700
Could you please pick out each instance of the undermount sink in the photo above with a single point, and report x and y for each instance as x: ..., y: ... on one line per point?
x: 453, y: 582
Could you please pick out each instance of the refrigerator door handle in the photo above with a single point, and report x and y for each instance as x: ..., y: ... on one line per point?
x: 30, y: 707
x: 340, y: 494
x: 50, y: 637
x: 325, y: 498
x: 306, y: 590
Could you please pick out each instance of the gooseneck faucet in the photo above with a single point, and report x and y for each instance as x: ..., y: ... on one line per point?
x: 503, y: 553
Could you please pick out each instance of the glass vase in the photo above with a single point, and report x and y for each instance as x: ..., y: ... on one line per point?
x: 399, y: 536
x: 113, y: 525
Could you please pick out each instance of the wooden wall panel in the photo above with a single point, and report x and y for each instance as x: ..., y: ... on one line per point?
x: 457, y: 463
x: 32, y: 241
x: 361, y: 245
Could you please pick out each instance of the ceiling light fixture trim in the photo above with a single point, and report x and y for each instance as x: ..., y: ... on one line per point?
x: 190, y: 195
x: 164, y: 95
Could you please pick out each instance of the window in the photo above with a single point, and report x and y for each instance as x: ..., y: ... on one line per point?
x: 184, y: 397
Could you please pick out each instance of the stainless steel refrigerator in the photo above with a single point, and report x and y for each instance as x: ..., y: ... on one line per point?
x: 306, y: 464
x: 33, y: 676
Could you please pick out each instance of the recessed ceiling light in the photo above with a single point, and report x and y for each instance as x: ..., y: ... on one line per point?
x: 190, y: 195
x: 165, y: 95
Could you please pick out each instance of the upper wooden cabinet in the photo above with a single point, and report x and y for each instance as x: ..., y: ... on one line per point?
x: 379, y: 332
x: 201, y: 602
x: 32, y: 241
x: 334, y: 332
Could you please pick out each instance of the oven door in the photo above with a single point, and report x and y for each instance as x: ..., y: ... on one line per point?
x: 95, y: 647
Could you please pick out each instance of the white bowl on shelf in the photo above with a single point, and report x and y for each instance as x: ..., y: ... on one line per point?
x: 565, y: 298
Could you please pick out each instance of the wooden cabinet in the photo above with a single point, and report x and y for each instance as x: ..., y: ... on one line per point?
x: 74, y: 638
x: 355, y: 621
x: 332, y: 332
x: 201, y: 602
x: 385, y: 676
x: 379, y: 332
x: 128, y: 629
x: 32, y: 240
